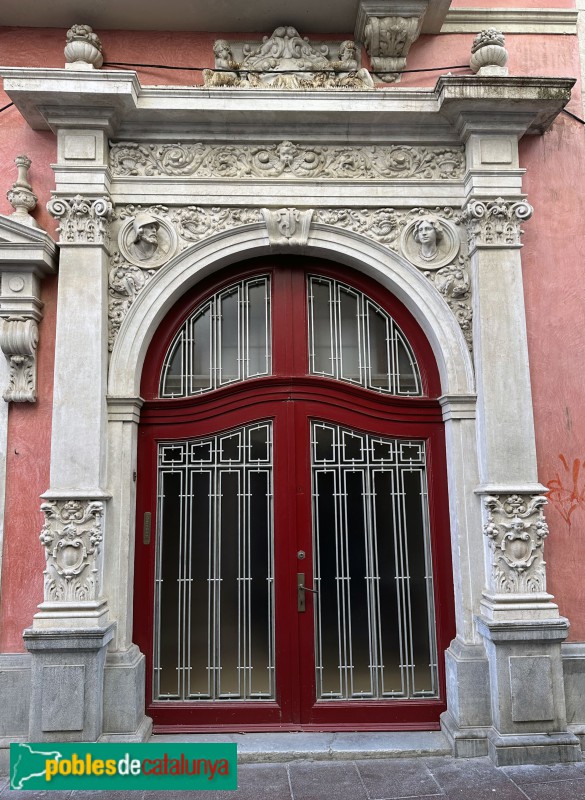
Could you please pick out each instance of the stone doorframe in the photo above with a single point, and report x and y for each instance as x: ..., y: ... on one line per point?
x: 342, y: 175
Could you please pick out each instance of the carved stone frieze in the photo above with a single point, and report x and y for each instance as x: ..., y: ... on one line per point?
x: 286, y: 60
x: 287, y: 225
x: 19, y: 337
x: 445, y: 266
x: 289, y: 161
x: 72, y: 535
x: 516, y: 529
x: 495, y: 223
x: 82, y: 220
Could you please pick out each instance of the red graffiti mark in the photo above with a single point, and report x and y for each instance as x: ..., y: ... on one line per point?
x: 567, y: 491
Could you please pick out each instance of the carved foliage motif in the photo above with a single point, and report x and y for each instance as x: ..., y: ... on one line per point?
x: 19, y: 337
x: 516, y: 529
x: 496, y: 223
x: 82, y: 220
x: 71, y: 536
x: 288, y: 160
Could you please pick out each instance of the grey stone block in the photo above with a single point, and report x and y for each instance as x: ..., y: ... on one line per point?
x: 63, y: 697
x: 532, y: 688
x: 542, y: 748
x: 14, y: 694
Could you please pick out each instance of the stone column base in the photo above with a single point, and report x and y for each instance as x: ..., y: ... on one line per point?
x: 468, y: 717
x: 529, y: 718
x: 124, y: 698
x: 538, y: 748
x: 67, y: 683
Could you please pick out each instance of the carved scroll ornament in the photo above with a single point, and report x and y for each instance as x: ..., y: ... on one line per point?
x: 287, y: 160
x: 516, y: 529
x: 71, y: 536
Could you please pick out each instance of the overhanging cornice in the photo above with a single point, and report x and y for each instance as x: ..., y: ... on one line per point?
x: 116, y: 101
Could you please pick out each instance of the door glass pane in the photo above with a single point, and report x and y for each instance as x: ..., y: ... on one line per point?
x: 201, y: 352
x: 350, y: 335
x: 374, y: 614
x: 229, y: 336
x: 214, y: 603
x: 321, y: 327
x: 257, y: 329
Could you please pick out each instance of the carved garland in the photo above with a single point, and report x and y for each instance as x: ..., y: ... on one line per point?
x: 288, y: 160
x: 516, y: 530
x: 445, y: 266
x: 71, y: 536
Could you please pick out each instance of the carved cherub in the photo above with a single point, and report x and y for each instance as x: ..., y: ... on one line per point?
x: 223, y: 74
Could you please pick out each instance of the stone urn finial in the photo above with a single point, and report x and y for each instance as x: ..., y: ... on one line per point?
x: 488, y: 54
x: 83, y: 49
x: 21, y: 196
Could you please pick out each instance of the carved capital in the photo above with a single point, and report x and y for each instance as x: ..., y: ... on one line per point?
x: 72, y: 535
x: 516, y: 529
x: 19, y: 338
x: 287, y: 225
x: 495, y: 223
x: 82, y: 220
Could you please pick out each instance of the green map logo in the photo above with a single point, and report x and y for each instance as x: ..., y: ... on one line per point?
x: 89, y: 766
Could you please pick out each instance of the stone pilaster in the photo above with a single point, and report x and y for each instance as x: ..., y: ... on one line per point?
x: 518, y: 620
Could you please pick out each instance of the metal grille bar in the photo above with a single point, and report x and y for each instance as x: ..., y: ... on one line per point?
x: 374, y: 611
x: 352, y: 339
x: 226, y: 339
x: 214, y: 599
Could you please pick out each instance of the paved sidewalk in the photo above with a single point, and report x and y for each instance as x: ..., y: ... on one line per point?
x: 423, y: 778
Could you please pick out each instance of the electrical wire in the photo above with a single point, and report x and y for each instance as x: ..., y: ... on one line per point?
x: 274, y: 71
x: 574, y: 116
x: 6, y: 106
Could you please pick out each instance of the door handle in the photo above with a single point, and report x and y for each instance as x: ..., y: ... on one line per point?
x: 301, y: 589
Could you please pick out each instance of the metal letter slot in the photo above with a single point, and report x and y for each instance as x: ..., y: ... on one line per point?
x: 301, y: 589
x: 146, y: 527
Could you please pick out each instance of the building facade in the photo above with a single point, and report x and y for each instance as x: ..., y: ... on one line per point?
x: 290, y: 404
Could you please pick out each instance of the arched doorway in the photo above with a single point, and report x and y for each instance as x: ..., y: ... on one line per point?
x: 293, y: 562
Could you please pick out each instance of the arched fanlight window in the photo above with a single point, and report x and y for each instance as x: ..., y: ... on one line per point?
x: 352, y: 339
x: 226, y: 339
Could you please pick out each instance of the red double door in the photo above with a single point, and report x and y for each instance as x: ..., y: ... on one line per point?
x: 293, y: 563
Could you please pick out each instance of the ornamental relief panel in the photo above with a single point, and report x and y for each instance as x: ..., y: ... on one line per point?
x: 516, y: 529
x: 148, y: 237
x: 72, y: 535
x: 287, y: 160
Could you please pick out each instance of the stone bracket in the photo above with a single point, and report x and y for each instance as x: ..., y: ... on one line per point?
x: 287, y: 226
x: 388, y: 31
x: 27, y: 254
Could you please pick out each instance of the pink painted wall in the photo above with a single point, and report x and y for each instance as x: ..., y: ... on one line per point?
x: 553, y: 273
